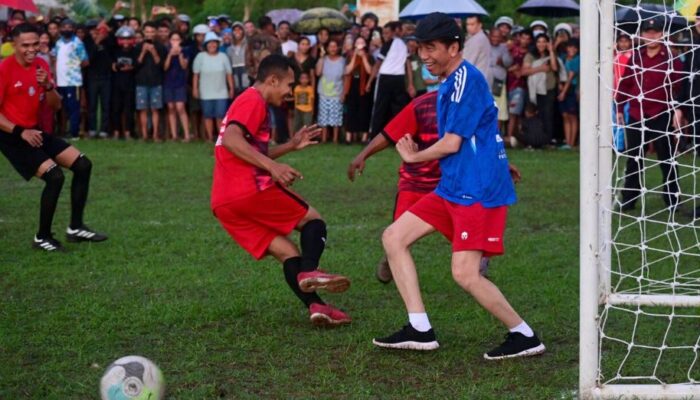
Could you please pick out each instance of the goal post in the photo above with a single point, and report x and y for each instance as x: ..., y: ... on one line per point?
x: 639, y: 288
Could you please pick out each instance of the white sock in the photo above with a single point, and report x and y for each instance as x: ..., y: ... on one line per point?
x: 419, y: 321
x: 523, y: 328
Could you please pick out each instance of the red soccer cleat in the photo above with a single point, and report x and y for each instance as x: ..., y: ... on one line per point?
x: 319, y: 280
x: 327, y: 315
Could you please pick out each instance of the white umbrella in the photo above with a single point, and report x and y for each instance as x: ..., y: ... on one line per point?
x: 418, y: 9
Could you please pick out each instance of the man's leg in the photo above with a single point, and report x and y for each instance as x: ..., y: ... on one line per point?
x: 92, y: 90
x: 81, y: 166
x: 50, y: 173
x: 155, y: 119
x: 313, y: 243
x: 288, y: 254
x: 634, y: 152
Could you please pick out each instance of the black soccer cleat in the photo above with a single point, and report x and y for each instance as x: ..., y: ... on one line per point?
x: 48, y: 244
x: 84, y: 234
x: 408, y: 338
x: 516, y: 345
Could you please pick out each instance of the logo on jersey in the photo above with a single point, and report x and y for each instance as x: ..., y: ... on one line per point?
x: 494, y: 239
x: 465, y: 235
x: 460, y: 84
x: 18, y: 84
x: 32, y: 91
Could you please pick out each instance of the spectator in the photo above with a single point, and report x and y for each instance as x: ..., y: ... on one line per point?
x: 322, y: 38
x: 98, y: 79
x: 175, y: 85
x: 124, y: 60
x: 304, y: 97
x: 357, y: 99
x: 149, y: 81
x: 651, y: 85
x: 193, y: 104
x: 517, y: 85
x: 70, y: 56
x: 260, y: 45
x: 53, y: 30
x: 568, y: 97
x: 538, y: 28
x: 212, y: 83
x: 236, y: 53
x: 135, y: 24
x: 330, y: 70
x: 541, y: 67
x: 477, y: 48
x: 46, y: 113
x: 182, y: 25
x: 562, y: 36
x: 499, y: 62
x: 304, y: 61
x: 164, y: 30
x: 392, y: 71
x: 505, y: 25
x: 289, y: 46
x: 249, y: 28
x: 416, y: 65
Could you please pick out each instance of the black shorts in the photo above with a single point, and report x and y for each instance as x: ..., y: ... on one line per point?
x: 27, y: 159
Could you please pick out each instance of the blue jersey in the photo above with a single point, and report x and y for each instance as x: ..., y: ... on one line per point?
x: 478, y: 172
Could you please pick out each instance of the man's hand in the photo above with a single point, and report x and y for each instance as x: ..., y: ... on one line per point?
x: 284, y: 174
x: 412, y: 91
x: 514, y: 173
x: 33, y: 137
x: 620, y: 119
x: 305, y: 136
x: 42, y: 78
x: 407, y: 148
x: 357, y: 166
x: 678, y: 119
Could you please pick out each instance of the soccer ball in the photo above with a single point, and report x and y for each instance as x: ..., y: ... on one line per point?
x: 132, y: 378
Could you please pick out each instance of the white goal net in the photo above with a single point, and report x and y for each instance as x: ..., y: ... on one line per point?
x: 640, y: 199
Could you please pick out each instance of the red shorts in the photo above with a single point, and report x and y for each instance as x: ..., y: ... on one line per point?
x: 471, y: 227
x: 405, y: 200
x: 254, y: 221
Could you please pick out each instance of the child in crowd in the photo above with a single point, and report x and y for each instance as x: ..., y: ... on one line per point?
x: 303, y: 102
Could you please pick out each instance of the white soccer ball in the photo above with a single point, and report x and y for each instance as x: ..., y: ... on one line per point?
x: 132, y: 378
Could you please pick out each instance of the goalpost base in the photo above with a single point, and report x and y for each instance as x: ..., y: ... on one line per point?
x: 643, y: 392
x: 653, y: 300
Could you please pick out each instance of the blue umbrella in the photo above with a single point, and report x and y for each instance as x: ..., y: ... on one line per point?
x: 550, y: 8
x: 418, y: 9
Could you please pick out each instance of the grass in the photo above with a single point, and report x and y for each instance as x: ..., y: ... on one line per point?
x: 170, y: 285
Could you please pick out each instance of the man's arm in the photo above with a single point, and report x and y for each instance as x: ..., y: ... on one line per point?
x: 234, y: 141
x: 301, y: 139
x: 408, y: 149
x: 31, y: 136
x: 357, y: 165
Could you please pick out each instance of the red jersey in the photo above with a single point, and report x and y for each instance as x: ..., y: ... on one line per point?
x: 234, y: 178
x: 419, y: 119
x: 20, y: 93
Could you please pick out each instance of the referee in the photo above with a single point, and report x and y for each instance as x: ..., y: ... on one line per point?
x: 25, y: 81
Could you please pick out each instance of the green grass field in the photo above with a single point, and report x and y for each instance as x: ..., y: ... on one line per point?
x: 170, y: 285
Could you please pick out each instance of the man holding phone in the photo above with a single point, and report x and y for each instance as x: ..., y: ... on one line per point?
x: 25, y: 81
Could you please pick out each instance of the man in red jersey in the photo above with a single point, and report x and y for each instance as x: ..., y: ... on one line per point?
x: 25, y: 81
x: 251, y: 198
x: 416, y: 180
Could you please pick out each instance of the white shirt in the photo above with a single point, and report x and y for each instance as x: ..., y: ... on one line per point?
x: 393, y: 55
x: 288, y: 46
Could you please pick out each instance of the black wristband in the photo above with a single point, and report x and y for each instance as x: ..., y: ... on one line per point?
x: 17, y: 130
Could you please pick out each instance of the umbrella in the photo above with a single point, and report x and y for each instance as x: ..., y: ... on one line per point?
x: 628, y: 18
x: 25, y: 5
x: 550, y: 8
x: 290, y: 15
x: 687, y: 8
x: 313, y: 19
x: 418, y: 9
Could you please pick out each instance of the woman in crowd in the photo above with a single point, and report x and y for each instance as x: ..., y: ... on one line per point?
x: 236, y: 53
x: 357, y: 99
x: 212, y: 83
x: 541, y: 67
x: 330, y: 70
x: 175, y: 85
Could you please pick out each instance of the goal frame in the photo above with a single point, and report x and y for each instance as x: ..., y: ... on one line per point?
x: 596, y: 163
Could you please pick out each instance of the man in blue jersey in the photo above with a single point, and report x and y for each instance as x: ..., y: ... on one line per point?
x: 469, y: 205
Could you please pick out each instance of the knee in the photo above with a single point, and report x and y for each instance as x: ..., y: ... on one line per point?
x: 391, y: 239
x: 82, y: 165
x: 54, y: 176
x: 466, y: 279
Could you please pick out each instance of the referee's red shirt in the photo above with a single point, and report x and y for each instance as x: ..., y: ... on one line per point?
x: 233, y: 177
x: 20, y: 93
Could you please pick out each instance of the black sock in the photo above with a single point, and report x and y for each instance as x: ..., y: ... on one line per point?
x: 79, y: 190
x: 49, y: 198
x: 291, y: 270
x: 313, y: 241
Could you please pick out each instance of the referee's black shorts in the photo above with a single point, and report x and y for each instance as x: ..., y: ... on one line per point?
x: 27, y: 159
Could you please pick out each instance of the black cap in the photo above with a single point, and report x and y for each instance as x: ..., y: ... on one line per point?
x: 655, y: 23
x: 438, y: 26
